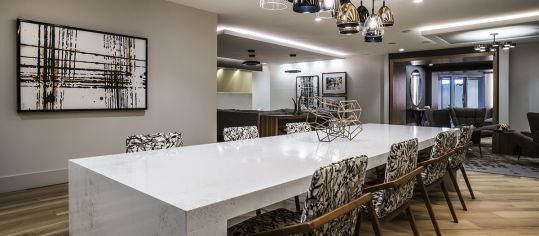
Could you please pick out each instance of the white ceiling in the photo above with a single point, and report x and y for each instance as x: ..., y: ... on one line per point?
x: 232, y: 46
x: 246, y: 14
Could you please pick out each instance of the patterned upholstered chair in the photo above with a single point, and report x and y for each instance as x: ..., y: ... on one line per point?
x: 393, y: 196
x: 457, y: 160
x: 148, y: 142
x: 240, y: 133
x: 435, y: 170
x: 299, y: 127
x: 331, y: 208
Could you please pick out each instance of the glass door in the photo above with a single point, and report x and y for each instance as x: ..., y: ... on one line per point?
x: 461, y: 91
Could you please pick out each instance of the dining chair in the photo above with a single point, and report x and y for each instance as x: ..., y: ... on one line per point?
x: 393, y: 196
x: 331, y: 208
x: 299, y: 127
x: 156, y: 141
x: 457, y: 160
x: 292, y: 128
x: 435, y: 170
x: 240, y: 133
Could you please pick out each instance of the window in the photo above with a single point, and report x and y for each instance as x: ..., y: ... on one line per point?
x: 461, y: 91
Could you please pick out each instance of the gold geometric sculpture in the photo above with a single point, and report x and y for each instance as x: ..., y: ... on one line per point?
x: 336, y: 119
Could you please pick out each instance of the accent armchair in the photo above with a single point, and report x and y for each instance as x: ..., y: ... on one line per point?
x: 529, y: 140
x: 476, y: 117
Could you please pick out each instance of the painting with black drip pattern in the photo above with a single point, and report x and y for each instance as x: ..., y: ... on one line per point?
x: 63, y: 68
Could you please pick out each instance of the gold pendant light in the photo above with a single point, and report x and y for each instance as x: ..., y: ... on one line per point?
x: 348, y: 19
x: 386, y: 14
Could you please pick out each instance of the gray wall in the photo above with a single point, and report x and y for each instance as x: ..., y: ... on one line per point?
x: 523, y: 84
x: 34, y: 148
x: 365, y: 82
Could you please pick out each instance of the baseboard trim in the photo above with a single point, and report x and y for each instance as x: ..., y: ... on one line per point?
x: 32, y: 180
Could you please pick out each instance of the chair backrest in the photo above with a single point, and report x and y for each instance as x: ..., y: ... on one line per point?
x: 465, y: 137
x: 299, y: 127
x: 468, y: 116
x: 240, y: 133
x: 444, y: 143
x: 332, y: 187
x: 401, y: 161
x: 533, y: 120
x: 438, y: 118
x: 148, y: 142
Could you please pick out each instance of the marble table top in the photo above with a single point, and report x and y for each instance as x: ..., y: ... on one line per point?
x: 198, y: 176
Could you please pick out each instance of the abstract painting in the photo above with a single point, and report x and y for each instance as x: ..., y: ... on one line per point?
x: 64, y: 68
x: 334, y: 83
x: 307, y: 90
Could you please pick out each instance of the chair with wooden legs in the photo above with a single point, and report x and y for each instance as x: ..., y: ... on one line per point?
x: 156, y: 141
x: 293, y: 128
x: 456, y: 162
x: 393, y: 196
x: 435, y: 170
x: 240, y: 133
x: 298, y: 127
x: 331, y: 208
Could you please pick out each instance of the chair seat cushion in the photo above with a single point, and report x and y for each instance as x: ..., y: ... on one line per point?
x: 268, y: 221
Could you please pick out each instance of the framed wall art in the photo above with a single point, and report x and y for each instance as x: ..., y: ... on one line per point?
x: 62, y: 68
x: 307, y: 90
x: 334, y: 83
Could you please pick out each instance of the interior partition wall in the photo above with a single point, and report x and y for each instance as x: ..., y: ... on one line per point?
x: 470, y: 80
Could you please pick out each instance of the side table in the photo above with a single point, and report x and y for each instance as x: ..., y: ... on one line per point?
x: 502, y: 143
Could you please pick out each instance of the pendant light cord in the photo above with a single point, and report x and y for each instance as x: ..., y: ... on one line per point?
x: 373, y: 7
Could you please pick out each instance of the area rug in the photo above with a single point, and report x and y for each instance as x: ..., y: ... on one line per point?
x: 501, y: 164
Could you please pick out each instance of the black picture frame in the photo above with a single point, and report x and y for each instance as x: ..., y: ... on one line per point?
x: 341, y: 91
x: 307, y: 93
x: 18, y: 84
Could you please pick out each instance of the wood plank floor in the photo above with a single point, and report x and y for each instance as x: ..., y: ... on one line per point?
x: 504, y: 206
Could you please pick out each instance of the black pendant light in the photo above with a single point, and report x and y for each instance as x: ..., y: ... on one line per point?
x: 305, y: 6
x: 292, y: 71
x: 363, y: 13
x: 252, y: 59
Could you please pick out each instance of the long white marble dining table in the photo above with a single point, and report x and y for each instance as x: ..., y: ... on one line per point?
x: 195, y: 190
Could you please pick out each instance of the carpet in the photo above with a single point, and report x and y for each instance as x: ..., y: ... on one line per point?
x: 500, y: 164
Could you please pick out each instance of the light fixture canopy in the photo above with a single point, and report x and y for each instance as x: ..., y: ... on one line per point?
x: 273, y: 4
x: 386, y: 14
x: 305, y: 6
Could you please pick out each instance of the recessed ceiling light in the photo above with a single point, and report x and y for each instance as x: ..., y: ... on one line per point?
x: 480, y: 21
x: 401, y: 50
x: 431, y: 64
x: 317, y: 19
x: 418, y: 1
x: 280, y: 40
